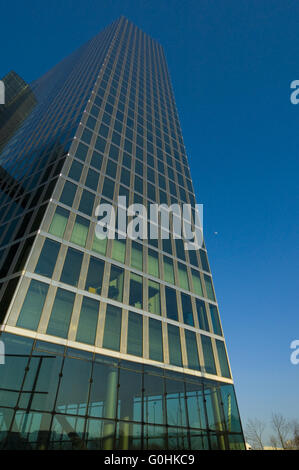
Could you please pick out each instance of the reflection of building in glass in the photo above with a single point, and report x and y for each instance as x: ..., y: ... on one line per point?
x: 19, y: 102
x: 113, y: 344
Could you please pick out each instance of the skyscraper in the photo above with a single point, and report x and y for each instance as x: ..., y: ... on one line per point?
x: 109, y: 343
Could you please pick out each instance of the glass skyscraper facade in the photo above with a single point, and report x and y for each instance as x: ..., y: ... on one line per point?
x: 114, y: 343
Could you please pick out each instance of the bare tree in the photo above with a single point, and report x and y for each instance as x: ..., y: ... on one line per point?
x: 254, y: 433
x: 293, y: 442
x: 281, y: 427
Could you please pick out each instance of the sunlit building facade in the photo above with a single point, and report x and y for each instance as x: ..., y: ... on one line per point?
x: 114, y: 343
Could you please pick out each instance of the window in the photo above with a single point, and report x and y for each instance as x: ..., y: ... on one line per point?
x: 119, y: 250
x: 112, y: 330
x: 86, y: 202
x: 75, y: 170
x: 208, y: 355
x: 135, y: 334
x: 183, y: 276
x: 187, y: 309
x: 111, y: 169
x: 202, y: 315
x: 96, y: 160
x: 197, y: 287
x: 136, y: 256
x: 94, y: 277
x: 61, y: 313
x: 155, y: 340
x: 33, y: 305
x: 116, y: 283
x: 171, y: 303
x: 209, y: 287
x: 136, y: 294
x: 47, y: 258
x: 92, y: 179
x: 72, y: 266
x: 99, y: 245
x: 180, y: 250
x: 192, y: 352
x: 108, y: 188
x: 168, y: 270
x: 153, y: 263
x: 68, y: 193
x: 154, y: 304
x: 87, y: 327
x: 215, y: 320
x: 80, y: 231
x: 224, y: 367
x: 204, y: 260
x: 174, y: 343
x: 81, y: 151
x: 59, y: 222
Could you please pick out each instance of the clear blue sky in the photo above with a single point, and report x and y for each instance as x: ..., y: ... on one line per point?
x: 231, y: 64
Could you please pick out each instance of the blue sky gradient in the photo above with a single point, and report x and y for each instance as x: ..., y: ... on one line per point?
x: 231, y: 64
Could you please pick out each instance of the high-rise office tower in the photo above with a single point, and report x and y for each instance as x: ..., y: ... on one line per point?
x: 109, y: 343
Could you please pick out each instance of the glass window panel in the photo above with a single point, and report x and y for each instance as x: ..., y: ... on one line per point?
x: 92, y: 179
x: 59, y: 222
x: 153, y: 399
x: 96, y: 160
x: 103, y: 389
x: 111, y: 169
x: 208, y: 354
x: 187, y: 309
x: 70, y: 399
x: 129, y: 399
x: 215, y: 320
x: 81, y: 151
x: 94, y: 277
x: 61, y: 313
x: 176, y: 410
x: 223, y: 359
x: 196, y: 407
x: 155, y: 340
x: 136, y: 256
x: 87, y: 202
x: 230, y: 408
x: 192, y: 352
x: 209, y: 287
x: 204, y: 260
x: 108, y: 188
x: 116, y: 283
x: 183, y: 276
x: 99, y: 245
x: 68, y: 193
x: 202, y: 315
x: 112, y: 328
x: 193, y: 257
x: 174, y: 344
x: 136, y: 295
x: 80, y: 231
x: 119, y: 250
x: 33, y: 304
x: 168, y: 270
x: 153, y: 263
x: 75, y: 170
x: 47, y: 258
x: 87, y: 327
x: 180, y: 250
x: 72, y: 267
x: 197, y: 287
x: 135, y: 334
x: 154, y: 303
x: 171, y: 303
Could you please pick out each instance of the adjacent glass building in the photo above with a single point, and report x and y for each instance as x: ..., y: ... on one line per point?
x: 110, y: 344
